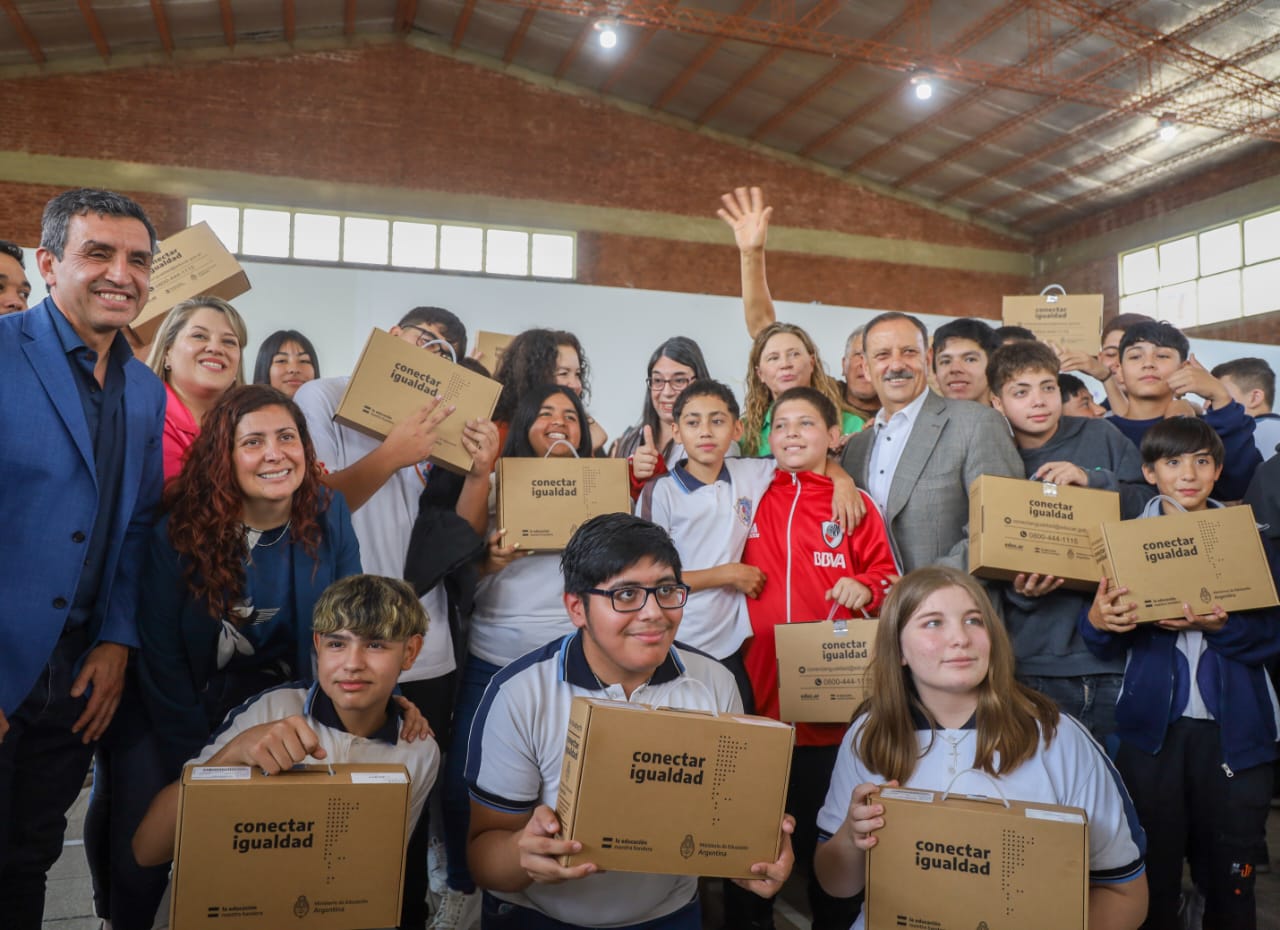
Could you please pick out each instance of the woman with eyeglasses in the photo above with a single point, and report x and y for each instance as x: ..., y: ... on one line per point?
x: 519, y: 606
x: 673, y: 366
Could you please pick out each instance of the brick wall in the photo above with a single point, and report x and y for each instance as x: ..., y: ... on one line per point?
x: 397, y: 116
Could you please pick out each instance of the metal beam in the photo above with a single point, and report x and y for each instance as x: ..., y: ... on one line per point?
x: 228, y: 22
x: 517, y: 37
x: 162, y: 25
x: 561, y: 69
x: 349, y: 18
x: 836, y: 73
x: 974, y: 34
x: 460, y: 28
x: 408, y: 13
x: 20, y: 26
x: 1187, y: 31
x: 95, y: 28
x: 1102, y: 124
x: 707, y: 52
x: 815, y: 18
x: 290, y: 21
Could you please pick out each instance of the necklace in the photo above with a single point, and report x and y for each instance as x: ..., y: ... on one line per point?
x: 253, y: 537
x: 954, y: 742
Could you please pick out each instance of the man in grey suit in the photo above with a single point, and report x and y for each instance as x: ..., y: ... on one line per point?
x: 922, y: 452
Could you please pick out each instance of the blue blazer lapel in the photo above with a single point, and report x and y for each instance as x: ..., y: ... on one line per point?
x: 49, y: 362
x: 920, y: 445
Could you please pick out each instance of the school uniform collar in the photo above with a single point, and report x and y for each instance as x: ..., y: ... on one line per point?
x: 575, y: 670
x: 921, y: 722
x: 320, y: 706
x: 690, y: 483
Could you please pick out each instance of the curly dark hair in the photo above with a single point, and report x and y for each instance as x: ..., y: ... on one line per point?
x: 205, y: 503
x: 530, y: 361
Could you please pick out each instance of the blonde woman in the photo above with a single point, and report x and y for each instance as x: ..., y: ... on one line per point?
x: 782, y: 357
x: 197, y: 354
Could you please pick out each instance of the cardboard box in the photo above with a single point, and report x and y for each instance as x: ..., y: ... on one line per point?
x: 542, y: 502
x: 966, y: 861
x: 1197, y: 558
x: 1033, y: 526
x: 393, y: 378
x: 1069, y: 321
x: 672, y: 792
x: 265, y: 852
x: 822, y: 669
x: 491, y: 346
x: 192, y: 263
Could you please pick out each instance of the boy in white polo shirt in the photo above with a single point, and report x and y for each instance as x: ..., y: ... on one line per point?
x: 623, y: 592
x: 707, y: 503
x: 367, y: 630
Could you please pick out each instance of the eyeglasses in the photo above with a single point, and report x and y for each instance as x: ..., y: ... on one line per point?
x: 427, y: 338
x: 632, y: 597
x: 678, y: 383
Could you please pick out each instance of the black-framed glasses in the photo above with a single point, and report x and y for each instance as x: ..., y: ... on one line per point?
x: 633, y: 597
x: 428, y: 339
x: 658, y: 384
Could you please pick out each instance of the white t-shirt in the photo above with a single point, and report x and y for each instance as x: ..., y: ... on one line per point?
x: 519, y: 609
x: 385, y: 522
x: 516, y: 751
x: 709, y: 525
x: 1073, y: 771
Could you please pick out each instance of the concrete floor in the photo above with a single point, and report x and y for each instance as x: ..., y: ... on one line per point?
x: 69, y: 900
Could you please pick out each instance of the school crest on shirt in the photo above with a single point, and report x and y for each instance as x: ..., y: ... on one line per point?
x: 742, y: 507
x: 832, y: 533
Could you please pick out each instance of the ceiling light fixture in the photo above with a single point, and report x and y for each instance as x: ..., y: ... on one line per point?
x: 923, y: 85
x: 607, y: 32
x: 1168, y: 127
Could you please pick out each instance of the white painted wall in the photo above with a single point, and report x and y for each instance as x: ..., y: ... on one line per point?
x: 618, y: 327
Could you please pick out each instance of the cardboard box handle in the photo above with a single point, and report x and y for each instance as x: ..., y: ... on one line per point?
x: 453, y: 355
x: 1053, y: 298
x: 973, y: 797
x: 547, y: 454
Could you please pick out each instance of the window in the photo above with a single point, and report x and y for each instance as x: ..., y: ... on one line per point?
x: 388, y: 241
x: 1214, y: 276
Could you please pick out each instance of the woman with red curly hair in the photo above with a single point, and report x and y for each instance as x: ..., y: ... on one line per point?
x: 249, y: 541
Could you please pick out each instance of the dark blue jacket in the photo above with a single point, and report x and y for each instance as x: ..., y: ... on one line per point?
x: 49, y: 495
x: 180, y: 640
x: 1156, y: 680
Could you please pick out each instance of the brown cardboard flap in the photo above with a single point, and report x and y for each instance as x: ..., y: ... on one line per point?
x: 1069, y: 321
x: 394, y: 378
x: 1021, y: 526
x: 191, y: 263
x: 1201, y: 558
x: 542, y: 502
x: 491, y: 347
x: 823, y: 669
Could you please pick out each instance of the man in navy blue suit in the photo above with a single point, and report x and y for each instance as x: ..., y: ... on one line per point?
x: 80, y: 479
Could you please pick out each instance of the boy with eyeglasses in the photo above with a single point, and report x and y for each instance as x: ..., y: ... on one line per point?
x: 624, y: 593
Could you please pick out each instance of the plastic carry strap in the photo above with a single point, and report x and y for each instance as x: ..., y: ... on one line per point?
x: 453, y: 355
x: 994, y: 784
x: 547, y: 454
x: 1053, y: 298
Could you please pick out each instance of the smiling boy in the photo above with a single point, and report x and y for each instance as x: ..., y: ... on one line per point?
x: 623, y: 592
x: 1040, y: 616
x: 961, y: 350
x: 1197, y: 717
x: 812, y: 569
x: 366, y: 630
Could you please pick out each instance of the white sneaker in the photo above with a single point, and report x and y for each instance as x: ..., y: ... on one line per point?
x: 457, y: 911
x: 437, y: 866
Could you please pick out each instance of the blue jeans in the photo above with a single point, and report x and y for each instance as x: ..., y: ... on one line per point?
x: 1091, y: 699
x: 456, y: 801
x: 496, y: 914
x: 42, y: 768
